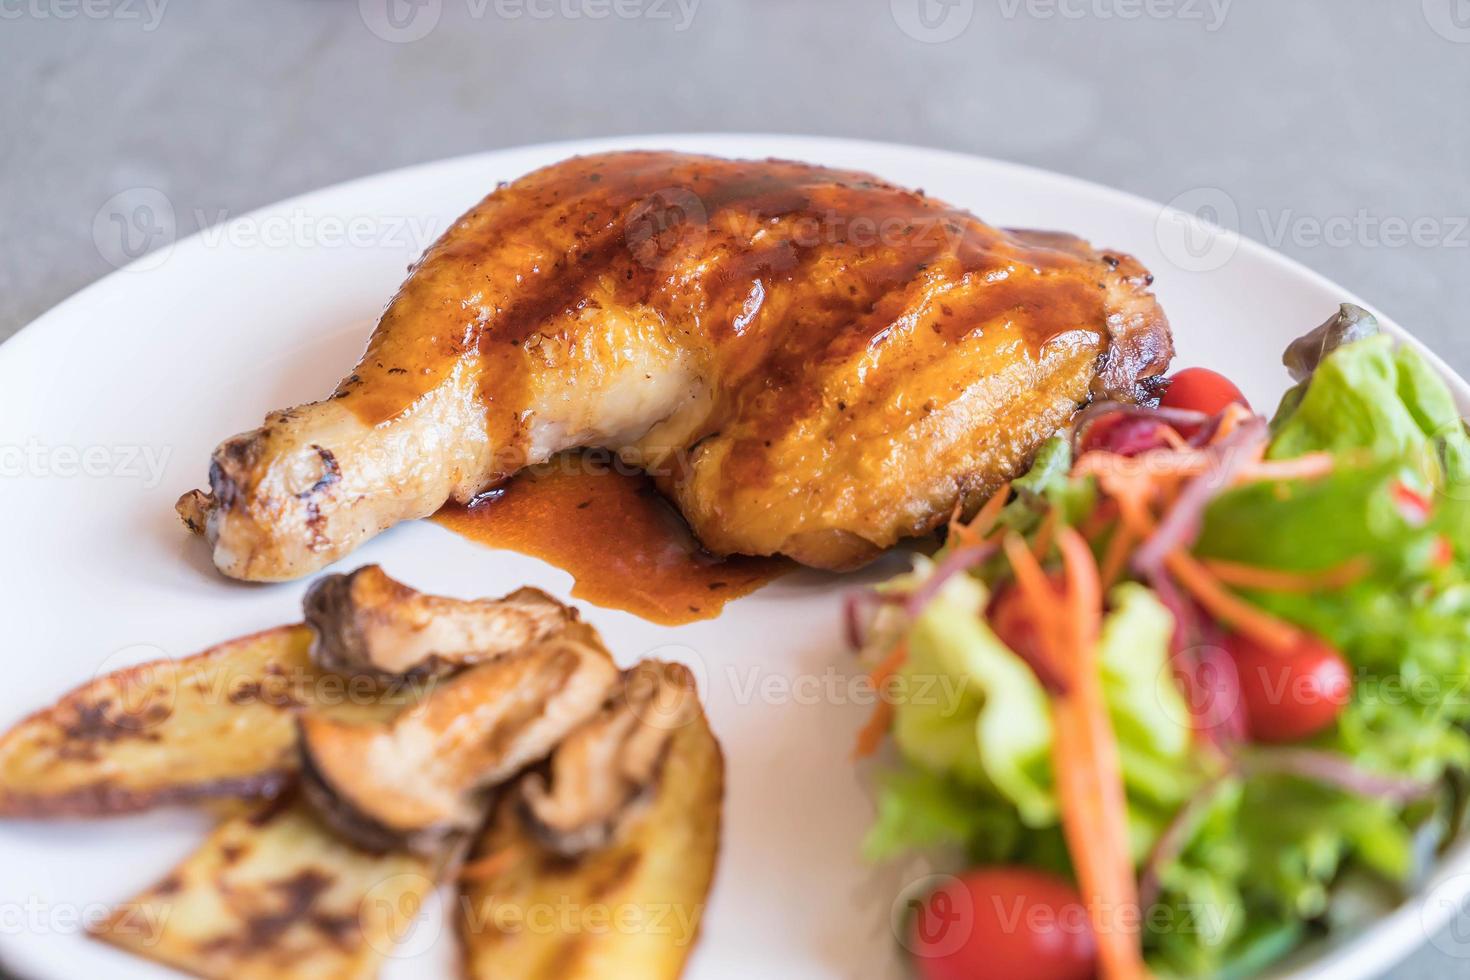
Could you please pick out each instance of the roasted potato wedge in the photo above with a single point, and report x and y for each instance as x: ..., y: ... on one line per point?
x: 275, y: 896
x: 631, y: 909
x: 219, y: 724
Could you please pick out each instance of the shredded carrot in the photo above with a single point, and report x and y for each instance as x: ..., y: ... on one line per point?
x: 1228, y: 608
x: 1104, y: 514
x: 1235, y: 413
x: 967, y: 535
x: 984, y: 521
x: 1173, y: 438
x: 1115, y: 560
x: 870, y: 736
x: 889, y: 665
x: 1134, y: 513
x: 1083, y: 592
x: 1273, y: 580
x: 489, y: 866
x: 1041, y: 547
x: 1089, y: 772
x: 963, y: 537
x: 1312, y: 466
x: 1040, y: 601
x: 1127, y: 483
x: 1153, y: 467
x: 1147, y: 467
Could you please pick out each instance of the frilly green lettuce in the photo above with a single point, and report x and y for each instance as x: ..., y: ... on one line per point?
x: 993, y: 735
x: 998, y: 732
x: 1377, y: 397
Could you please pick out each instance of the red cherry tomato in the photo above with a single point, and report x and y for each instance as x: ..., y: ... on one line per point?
x: 1201, y: 390
x: 1011, y: 620
x: 1003, y: 924
x: 1292, y: 695
x: 1012, y: 623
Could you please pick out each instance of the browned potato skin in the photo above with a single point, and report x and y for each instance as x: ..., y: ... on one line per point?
x: 216, y: 725
x: 657, y: 874
x: 813, y: 362
x: 163, y: 732
x: 274, y: 896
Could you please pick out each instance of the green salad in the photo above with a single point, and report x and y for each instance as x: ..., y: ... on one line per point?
x: 1233, y: 721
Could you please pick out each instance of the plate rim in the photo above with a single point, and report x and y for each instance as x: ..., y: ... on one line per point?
x: 1386, y: 940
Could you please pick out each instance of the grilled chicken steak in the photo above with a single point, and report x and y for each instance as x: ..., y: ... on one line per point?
x: 810, y: 362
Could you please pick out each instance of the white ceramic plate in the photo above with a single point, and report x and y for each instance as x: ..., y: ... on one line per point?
x: 113, y: 401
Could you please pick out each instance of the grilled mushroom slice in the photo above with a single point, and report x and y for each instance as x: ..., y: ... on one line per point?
x: 368, y: 623
x: 418, y: 780
x: 605, y: 771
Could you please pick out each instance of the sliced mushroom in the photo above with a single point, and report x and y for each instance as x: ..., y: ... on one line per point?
x: 368, y: 623
x: 606, y: 770
x: 418, y: 780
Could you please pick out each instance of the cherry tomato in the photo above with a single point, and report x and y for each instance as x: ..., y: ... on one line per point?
x: 1201, y: 390
x: 1003, y: 924
x: 1011, y: 620
x: 1292, y: 695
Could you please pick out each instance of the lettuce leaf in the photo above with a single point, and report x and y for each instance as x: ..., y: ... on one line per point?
x: 1260, y: 864
x: 991, y: 738
x: 921, y: 809
x: 1317, y: 524
x: 995, y: 730
x: 1371, y: 395
x: 1049, y: 483
x: 1147, y: 707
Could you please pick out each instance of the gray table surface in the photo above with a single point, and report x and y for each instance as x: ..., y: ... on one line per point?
x: 1337, y: 129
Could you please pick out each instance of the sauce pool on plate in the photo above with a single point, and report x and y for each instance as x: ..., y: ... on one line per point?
x: 625, y: 546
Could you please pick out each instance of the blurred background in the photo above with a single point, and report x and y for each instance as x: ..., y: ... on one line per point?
x: 1335, y: 131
